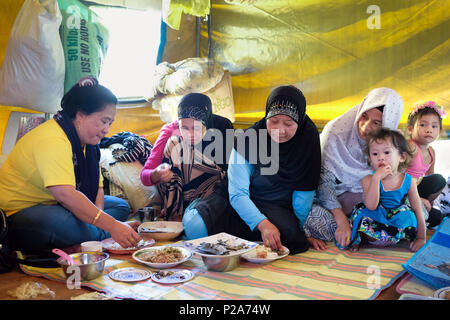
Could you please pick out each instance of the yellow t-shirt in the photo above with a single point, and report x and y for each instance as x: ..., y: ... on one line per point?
x: 41, y: 158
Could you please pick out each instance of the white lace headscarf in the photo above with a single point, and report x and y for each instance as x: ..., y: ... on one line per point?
x: 342, y: 147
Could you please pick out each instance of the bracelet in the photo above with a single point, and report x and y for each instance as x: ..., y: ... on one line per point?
x: 97, y: 216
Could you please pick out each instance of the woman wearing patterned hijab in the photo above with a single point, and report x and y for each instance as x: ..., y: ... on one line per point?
x: 266, y: 205
x: 189, y: 172
x: 344, y: 162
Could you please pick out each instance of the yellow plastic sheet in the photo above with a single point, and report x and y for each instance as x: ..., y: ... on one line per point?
x: 334, y: 51
x: 199, y: 8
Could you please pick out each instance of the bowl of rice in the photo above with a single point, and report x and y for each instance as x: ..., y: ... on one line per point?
x: 162, y: 257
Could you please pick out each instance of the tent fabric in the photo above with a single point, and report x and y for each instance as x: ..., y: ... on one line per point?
x: 332, y: 50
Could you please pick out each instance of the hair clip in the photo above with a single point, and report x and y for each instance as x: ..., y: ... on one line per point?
x: 87, y: 81
x: 430, y: 104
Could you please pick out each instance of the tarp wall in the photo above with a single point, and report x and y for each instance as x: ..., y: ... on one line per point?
x: 8, y: 12
x: 140, y: 118
x: 333, y: 50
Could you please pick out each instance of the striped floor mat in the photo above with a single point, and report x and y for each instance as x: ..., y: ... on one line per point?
x: 328, y: 275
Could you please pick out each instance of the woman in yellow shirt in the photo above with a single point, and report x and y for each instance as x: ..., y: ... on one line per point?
x: 50, y: 184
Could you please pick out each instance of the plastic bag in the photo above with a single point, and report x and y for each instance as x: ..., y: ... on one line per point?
x: 84, y: 39
x: 32, y: 74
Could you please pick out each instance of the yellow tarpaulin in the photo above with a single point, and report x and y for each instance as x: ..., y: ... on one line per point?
x: 334, y: 51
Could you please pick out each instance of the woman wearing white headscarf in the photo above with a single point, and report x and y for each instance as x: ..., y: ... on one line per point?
x: 344, y: 163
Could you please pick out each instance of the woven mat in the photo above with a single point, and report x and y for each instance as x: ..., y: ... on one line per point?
x: 315, y: 275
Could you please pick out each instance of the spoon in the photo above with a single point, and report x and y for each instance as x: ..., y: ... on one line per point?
x: 152, y: 230
x: 63, y: 255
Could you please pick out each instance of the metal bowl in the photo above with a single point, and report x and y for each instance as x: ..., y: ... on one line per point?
x: 90, y: 265
x: 221, y: 263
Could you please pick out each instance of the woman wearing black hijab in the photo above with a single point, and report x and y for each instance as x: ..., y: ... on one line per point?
x: 272, y: 178
x: 193, y: 170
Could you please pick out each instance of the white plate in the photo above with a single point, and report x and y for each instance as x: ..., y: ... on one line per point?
x: 113, y: 247
x: 130, y: 274
x: 192, y: 244
x: 441, y: 293
x: 271, y: 256
x: 186, y: 256
x: 178, y: 276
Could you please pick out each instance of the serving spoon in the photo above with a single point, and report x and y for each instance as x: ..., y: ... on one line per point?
x: 63, y: 255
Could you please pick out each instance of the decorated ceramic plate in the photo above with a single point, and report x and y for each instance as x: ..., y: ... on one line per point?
x: 443, y: 293
x: 263, y: 254
x: 169, y: 276
x: 130, y: 274
x: 221, y: 244
x: 113, y: 247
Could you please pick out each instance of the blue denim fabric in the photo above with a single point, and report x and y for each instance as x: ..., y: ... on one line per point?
x: 193, y: 224
x: 44, y: 227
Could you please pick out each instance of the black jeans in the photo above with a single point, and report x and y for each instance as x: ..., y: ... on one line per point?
x: 432, y: 184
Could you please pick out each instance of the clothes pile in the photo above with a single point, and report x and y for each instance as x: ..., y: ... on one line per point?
x: 134, y: 147
x: 122, y: 159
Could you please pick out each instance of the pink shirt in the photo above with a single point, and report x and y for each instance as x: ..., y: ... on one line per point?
x: 157, y: 153
x: 418, y: 168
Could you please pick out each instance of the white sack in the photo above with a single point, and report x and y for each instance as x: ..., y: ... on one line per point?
x: 32, y: 74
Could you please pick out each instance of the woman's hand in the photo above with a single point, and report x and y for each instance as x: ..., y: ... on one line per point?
x: 162, y: 173
x: 343, y: 232
x: 426, y: 203
x: 317, y: 244
x: 417, y: 244
x: 133, y: 224
x: 124, y: 234
x: 270, y: 234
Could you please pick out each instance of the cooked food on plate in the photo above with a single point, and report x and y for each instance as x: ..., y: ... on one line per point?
x: 221, y: 247
x: 116, y: 246
x: 165, y: 255
x: 175, y: 275
x: 263, y: 252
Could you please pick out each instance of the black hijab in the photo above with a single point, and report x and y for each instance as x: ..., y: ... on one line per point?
x: 86, y: 167
x: 299, y: 158
x: 197, y: 106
